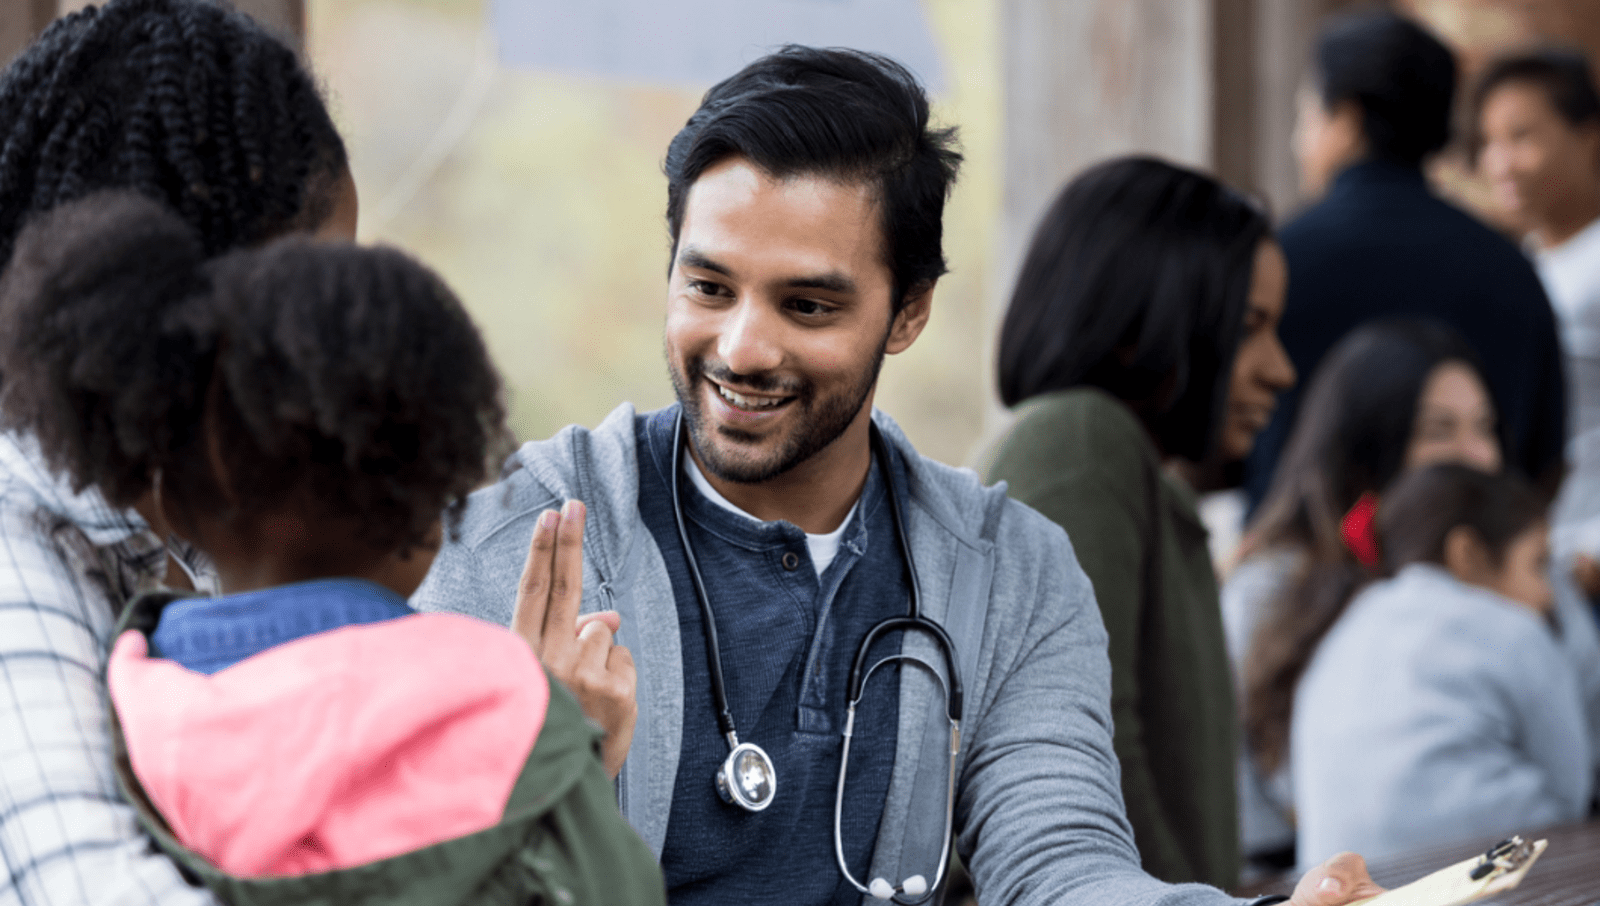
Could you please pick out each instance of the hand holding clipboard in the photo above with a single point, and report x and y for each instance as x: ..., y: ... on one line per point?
x: 1343, y: 880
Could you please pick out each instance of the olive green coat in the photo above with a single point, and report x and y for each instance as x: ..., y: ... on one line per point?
x: 1083, y: 459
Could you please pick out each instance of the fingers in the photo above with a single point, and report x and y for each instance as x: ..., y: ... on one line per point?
x: 620, y: 660
x: 566, y: 580
x: 605, y: 683
x: 533, y: 589
x: 593, y: 666
x: 609, y: 617
x: 579, y: 650
x: 1340, y: 880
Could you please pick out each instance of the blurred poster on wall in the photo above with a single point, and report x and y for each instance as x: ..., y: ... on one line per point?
x: 699, y: 42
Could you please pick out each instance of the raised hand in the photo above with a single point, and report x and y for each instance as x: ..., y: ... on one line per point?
x: 580, y: 651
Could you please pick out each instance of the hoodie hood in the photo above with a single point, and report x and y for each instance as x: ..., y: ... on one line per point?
x: 337, y: 749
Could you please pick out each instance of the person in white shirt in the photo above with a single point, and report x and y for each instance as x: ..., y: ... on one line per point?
x: 1537, y: 118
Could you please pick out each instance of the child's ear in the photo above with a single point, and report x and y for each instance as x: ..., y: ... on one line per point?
x: 1467, y: 557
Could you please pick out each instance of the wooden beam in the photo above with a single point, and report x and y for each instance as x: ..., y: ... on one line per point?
x: 1091, y: 79
x: 20, y: 22
x: 284, y: 18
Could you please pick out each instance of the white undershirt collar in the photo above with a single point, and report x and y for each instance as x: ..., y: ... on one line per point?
x: 823, y: 548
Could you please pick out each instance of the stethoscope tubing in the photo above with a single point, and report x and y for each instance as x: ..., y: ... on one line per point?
x: 912, y: 621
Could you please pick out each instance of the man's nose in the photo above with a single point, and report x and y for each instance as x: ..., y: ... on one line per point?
x: 749, y: 343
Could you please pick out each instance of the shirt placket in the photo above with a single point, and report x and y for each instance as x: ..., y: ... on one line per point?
x: 818, y: 700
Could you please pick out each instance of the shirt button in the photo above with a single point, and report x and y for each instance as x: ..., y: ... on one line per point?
x: 791, y: 561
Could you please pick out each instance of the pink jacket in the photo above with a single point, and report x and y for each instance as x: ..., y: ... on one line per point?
x: 337, y: 749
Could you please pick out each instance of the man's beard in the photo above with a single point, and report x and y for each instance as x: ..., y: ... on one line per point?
x: 819, y: 421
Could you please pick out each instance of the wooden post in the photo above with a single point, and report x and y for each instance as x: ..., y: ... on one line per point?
x: 284, y: 18
x: 1090, y: 79
x: 20, y: 22
x: 1208, y: 83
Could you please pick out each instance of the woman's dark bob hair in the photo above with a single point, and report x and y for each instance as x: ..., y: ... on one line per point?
x: 1136, y: 283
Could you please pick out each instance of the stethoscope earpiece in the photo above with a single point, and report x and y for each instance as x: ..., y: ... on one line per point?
x: 914, y: 886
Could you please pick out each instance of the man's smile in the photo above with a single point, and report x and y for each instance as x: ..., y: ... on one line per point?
x: 749, y: 401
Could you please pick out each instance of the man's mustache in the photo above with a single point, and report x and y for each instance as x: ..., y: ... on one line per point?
x: 764, y: 382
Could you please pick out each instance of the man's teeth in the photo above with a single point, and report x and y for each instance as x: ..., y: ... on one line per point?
x: 747, y: 402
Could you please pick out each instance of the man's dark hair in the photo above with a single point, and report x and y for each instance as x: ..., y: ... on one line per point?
x: 1562, y: 74
x: 344, y: 379
x: 184, y: 101
x: 1400, y: 75
x: 1136, y: 283
x: 841, y: 114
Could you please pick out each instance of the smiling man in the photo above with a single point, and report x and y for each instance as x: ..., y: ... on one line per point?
x: 788, y: 571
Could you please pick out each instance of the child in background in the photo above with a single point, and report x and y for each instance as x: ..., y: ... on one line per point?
x: 303, y: 413
x: 1439, y: 707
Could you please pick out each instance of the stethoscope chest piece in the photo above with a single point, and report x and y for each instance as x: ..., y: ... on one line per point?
x: 747, y: 778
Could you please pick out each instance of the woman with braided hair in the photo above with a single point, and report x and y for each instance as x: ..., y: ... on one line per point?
x: 198, y: 108
x: 187, y: 102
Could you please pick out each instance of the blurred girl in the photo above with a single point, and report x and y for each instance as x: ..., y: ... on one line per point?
x: 303, y: 413
x: 1142, y: 336
x: 1391, y: 396
x: 1439, y: 706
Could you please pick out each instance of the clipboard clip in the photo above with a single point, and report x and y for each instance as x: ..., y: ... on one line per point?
x: 1505, y: 857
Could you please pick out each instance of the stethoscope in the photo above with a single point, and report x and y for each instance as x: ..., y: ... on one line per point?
x: 747, y: 777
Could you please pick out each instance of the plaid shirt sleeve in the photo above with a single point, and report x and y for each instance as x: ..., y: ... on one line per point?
x: 66, y: 837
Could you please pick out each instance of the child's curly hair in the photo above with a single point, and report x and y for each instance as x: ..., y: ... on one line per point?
x: 347, y: 379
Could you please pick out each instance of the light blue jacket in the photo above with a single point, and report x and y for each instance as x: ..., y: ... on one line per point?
x: 1039, y: 810
x: 1435, y: 711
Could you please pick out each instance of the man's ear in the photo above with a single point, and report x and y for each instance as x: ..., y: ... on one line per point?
x: 913, y: 316
x: 1349, y: 123
x: 1466, y: 556
x: 1589, y: 134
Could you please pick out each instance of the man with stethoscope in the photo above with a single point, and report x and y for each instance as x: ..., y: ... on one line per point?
x: 847, y: 655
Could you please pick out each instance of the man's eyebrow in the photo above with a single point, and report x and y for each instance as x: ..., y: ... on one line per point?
x: 695, y: 258
x: 833, y: 283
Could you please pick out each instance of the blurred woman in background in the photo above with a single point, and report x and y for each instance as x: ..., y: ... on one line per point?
x: 1391, y: 396
x: 1141, y: 340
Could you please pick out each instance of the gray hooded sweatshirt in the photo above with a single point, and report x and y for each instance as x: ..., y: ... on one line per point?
x: 1039, y: 814
x: 1435, y: 711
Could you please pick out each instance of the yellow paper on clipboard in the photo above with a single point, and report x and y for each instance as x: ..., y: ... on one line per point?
x: 1497, y: 871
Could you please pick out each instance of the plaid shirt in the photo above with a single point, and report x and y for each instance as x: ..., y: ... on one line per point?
x: 68, y: 564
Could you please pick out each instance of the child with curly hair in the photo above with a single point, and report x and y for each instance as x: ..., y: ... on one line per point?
x: 303, y: 412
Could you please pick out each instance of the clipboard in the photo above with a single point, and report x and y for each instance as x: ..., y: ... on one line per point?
x: 1500, y: 869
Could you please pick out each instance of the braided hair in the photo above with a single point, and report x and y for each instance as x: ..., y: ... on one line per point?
x: 184, y: 101
x: 344, y: 382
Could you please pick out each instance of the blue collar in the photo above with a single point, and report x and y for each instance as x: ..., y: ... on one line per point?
x: 211, y: 634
